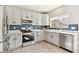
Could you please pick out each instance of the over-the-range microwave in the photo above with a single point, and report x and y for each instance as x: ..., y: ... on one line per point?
x: 26, y: 21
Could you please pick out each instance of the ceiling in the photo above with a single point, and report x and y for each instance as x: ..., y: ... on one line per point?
x: 40, y: 8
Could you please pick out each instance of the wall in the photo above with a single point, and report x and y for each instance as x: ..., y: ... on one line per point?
x: 1, y: 20
x: 71, y: 10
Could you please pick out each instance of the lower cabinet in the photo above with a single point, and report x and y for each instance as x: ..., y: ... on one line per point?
x: 15, y: 40
x: 52, y: 38
x: 38, y: 36
x: 12, y: 42
x: 19, y: 40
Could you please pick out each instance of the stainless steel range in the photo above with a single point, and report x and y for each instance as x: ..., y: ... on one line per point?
x: 28, y: 37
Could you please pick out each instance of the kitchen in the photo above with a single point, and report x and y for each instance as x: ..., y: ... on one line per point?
x: 28, y: 25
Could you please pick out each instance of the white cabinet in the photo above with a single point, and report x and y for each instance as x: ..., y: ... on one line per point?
x: 19, y: 40
x: 55, y: 39
x: 17, y: 16
x: 45, y: 19
x: 24, y: 14
x: 35, y: 18
x: 15, y: 39
x: 30, y: 14
x: 10, y: 14
x: 39, y: 19
x: 12, y: 42
x: 38, y: 36
x: 52, y: 37
x: 14, y: 15
x: 27, y: 14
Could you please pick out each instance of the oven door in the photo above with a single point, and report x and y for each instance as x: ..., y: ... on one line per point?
x: 28, y: 38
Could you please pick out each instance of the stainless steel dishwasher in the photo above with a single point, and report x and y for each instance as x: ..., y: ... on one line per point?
x: 66, y: 41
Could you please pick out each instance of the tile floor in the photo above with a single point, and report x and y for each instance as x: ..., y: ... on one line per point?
x: 41, y: 47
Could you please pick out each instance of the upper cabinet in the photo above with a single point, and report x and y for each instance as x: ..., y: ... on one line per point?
x: 17, y: 16
x: 27, y: 14
x: 9, y: 13
x: 45, y: 19
x: 39, y: 19
x: 34, y: 18
x: 13, y: 15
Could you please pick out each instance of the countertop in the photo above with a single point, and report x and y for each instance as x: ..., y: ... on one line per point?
x: 62, y: 31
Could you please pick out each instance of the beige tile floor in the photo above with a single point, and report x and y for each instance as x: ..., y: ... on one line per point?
x: 41, y: 47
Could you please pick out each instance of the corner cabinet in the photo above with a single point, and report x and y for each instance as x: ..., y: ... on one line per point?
x: 52, y: 37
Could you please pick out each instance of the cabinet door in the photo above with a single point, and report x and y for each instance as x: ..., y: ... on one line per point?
x: 48, y: 36
x: 27, y: 14
x: 39, y: 19
x: 12, y: 42
x: 17, y: 16
x: 45, y: 20
x: 24, y: 13
x: 35, y: 18
x: 30, y: 14
x: 55, y: 39
x: 10, y: 14
x: 19, y: 40
x: 52, y: 38
x: 37, y: 36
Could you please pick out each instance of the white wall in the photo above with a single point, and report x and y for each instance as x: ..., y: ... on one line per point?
x: 71, y: 10
x: 1, y: 19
